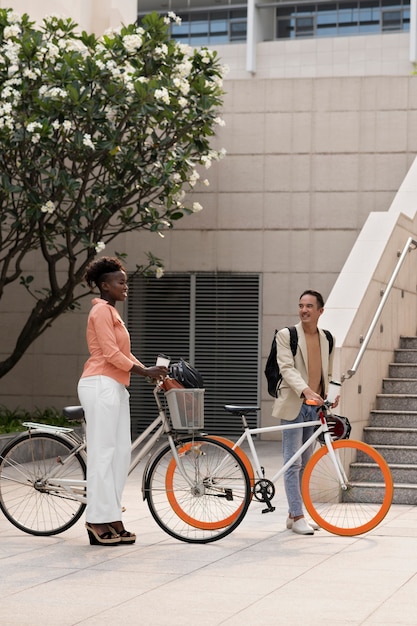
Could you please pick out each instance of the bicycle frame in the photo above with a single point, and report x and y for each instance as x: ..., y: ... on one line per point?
x: 152, y: 434
x: 322, y: 428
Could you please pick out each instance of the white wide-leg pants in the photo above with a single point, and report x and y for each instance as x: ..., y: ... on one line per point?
x: 107, y: 412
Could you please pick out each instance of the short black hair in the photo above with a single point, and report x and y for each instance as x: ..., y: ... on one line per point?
x: 316, y: 294
x: 97, y: 270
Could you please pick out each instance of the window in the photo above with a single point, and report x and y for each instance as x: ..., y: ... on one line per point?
x: 327, y: 19
x: 211, y: 320
x: 200, y: 28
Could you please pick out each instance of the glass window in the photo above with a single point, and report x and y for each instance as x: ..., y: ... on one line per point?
x: 238, y: 30
x: 304, y: 26
x: 326, y: 19
x: 391, y: 20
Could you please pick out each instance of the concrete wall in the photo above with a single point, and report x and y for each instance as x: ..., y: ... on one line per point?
x: 91, y: 15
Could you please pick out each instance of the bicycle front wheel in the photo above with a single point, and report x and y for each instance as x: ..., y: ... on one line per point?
x: 39, y: 479
x: 368, y: 492
x: 203, y: 499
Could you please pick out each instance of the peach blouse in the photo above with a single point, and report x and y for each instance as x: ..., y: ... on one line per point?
x: 108, y: 343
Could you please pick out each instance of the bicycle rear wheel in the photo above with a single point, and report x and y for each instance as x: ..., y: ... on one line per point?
x: 27, y: 497
x: 203, y: 500
x: 365, y: 502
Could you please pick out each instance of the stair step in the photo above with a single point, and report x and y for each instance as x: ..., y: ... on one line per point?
x: 395, y: 419
x: 390, y: 436
x: 403, y: 370
x: 399, y: 386
x: 396, y: 454
x: 368, y: 472
x: 405, y: 494
x: 397, y: 402
x: 405, y: 355
x: 408, y: 342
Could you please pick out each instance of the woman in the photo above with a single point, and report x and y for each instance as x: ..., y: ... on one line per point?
x: 103, y: 395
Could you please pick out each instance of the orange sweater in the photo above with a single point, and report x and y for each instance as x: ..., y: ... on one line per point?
x: 108, y: 343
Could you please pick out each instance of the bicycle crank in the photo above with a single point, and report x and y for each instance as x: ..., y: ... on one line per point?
x: 264, y: 491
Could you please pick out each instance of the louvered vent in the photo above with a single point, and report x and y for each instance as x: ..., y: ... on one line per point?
x: 212, y: 320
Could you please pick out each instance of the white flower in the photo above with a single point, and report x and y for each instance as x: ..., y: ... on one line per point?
x: 197, y: 207
x: 194, y: 176
x: 12, y: 31
x: 206, y: 182
x: 99, y: 246
x: 132, y: 42
x: 13, y: 17
x: 32, y: 126
x: 219, y: 121
x: 159, y: 272
x: 161, y: 51
x: 183, y: 85
x: 87, y: 141
x: 66, y: 124
x: 206, y: 161
x: 32, y: 74
x: 162, y: 94
x: 48, y: 207
x: 172, y: 17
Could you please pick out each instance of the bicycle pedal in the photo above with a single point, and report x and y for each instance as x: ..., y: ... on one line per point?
x: 270, y: 509
x: 228, y: 494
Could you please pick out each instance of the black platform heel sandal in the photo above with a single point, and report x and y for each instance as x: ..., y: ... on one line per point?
x: 109, y: 538
x: 124, y: 535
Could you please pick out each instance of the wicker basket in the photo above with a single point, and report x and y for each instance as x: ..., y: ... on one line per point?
x: 186, y: 408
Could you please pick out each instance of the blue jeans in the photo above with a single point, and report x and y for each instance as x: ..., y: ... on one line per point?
x: 292, y: 440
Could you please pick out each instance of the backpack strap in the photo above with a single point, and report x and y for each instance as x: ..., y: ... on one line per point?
x: 293, y: 339
x: 329, y: 339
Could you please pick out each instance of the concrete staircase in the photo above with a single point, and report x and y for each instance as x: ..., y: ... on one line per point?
x: 392, y: 428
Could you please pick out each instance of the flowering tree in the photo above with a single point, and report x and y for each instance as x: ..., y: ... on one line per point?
x: 99, y: 136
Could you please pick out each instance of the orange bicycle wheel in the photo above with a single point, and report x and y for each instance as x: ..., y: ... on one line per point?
x: 222, y: 491
x: 369, y: 488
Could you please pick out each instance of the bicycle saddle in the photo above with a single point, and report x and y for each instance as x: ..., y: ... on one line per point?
x: 75, y: 413
x: 238, y: 409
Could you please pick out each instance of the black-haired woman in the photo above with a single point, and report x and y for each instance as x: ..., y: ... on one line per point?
x: 105, y: 399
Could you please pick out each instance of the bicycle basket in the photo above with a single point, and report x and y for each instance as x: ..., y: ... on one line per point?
x: 339, y: 427
x: 186, y: 408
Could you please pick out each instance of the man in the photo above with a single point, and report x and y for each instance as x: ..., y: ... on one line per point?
x: 305, y: 376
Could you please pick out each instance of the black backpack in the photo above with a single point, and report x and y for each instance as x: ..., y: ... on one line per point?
x: 272, y: 373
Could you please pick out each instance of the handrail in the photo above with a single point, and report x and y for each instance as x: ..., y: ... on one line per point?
x: 410, y: 245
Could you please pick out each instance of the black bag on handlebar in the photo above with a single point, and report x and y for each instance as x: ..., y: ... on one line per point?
x: 186, y: 374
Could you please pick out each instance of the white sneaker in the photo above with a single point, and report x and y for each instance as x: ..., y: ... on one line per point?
x: 313, y: 525
x: 301, y: 527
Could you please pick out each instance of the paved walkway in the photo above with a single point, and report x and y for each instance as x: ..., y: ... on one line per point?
x: 262, y: 574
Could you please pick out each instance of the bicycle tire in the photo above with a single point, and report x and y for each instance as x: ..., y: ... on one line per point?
x: 209, y: 509
x: 25, y: 497
x: 363, y: 505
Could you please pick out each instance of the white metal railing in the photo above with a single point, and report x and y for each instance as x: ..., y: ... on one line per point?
x: 410, y: 245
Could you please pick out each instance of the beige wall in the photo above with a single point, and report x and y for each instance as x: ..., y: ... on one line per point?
x: 309, y: 158
x: 91, y: 15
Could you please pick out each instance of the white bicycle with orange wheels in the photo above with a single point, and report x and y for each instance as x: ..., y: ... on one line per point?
x: 347, y: 487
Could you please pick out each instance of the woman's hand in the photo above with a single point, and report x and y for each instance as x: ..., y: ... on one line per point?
x: 156, y: 371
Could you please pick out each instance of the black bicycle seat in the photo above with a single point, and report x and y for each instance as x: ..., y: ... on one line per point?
x: 241, y: 409
x: 75, y: 413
